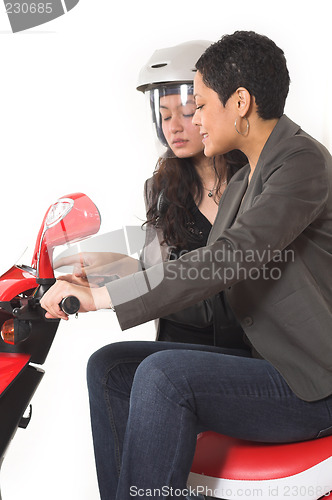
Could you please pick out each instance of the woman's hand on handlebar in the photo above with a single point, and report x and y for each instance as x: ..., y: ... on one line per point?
x: 90, y: 299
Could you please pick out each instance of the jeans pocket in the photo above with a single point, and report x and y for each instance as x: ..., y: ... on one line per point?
x: 324, y: 432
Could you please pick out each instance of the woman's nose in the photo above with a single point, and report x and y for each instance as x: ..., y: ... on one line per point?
x: 176, y: 125
x: 196, y: 120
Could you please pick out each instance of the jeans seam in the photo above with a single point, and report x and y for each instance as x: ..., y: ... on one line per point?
x: 328, y: 410
x: 113, y: 430
x: 176, y: 454
x: 109, y: 408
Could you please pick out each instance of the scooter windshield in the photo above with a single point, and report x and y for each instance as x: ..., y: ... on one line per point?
x: 72, y: 218
x: 68, y: 220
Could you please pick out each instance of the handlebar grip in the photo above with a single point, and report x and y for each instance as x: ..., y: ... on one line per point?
x: 70, y: 304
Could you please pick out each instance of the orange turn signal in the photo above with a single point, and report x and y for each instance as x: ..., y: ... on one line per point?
x: 7, y: 332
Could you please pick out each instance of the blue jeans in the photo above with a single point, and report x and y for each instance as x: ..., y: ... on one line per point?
x: 149, y: 400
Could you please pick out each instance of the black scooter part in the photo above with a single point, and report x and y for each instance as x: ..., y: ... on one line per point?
x: 39, y: 341
x: 13, y: 403
x: 43, y: 330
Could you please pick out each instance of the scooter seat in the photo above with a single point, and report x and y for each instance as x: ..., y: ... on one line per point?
x: 11, y: 365
x: 232, y: 468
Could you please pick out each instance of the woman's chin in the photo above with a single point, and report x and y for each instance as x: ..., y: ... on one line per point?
x: 209, y: 152
x: 183, y: 154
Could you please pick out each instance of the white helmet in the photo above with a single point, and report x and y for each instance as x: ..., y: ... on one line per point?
x: 169, y: 71
x: 172, y: 65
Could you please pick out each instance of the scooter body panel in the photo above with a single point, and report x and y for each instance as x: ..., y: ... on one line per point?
x: 14, y: 402
x: 10, y: 366
x: 15, y: 281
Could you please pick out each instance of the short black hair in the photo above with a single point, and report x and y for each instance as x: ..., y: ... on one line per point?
x: 247, y: 59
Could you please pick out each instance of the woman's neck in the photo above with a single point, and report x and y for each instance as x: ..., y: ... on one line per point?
x: 205, y: 168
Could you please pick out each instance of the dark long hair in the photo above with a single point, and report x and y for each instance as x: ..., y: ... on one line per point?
x: 175, y: 184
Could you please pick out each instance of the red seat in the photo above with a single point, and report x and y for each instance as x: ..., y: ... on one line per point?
x: 230, y: 468
x: 11, y: 364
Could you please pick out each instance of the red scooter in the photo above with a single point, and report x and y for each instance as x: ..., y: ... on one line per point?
x: 26, y: 335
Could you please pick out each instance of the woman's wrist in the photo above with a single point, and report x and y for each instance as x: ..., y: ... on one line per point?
x: 101, y: 298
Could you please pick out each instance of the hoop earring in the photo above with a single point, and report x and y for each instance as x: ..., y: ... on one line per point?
x: 247, y: 129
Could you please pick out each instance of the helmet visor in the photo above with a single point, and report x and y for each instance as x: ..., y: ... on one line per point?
x: 172, y: 108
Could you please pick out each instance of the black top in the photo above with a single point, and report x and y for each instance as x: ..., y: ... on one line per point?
x: 170, y: 331
x: 199, y: 229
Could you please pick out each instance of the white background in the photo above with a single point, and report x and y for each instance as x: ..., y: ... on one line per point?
x: 71, y: 120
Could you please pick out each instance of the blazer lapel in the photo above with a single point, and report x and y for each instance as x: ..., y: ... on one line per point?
x: 231, y: 199
x: 228, y: 207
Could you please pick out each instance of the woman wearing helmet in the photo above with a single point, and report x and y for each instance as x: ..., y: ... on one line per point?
x: 182, y: 196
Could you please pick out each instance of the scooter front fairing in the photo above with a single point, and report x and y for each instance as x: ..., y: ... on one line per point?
x: 26, y: 335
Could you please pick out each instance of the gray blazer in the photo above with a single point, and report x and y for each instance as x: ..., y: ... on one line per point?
x: 270, y: 249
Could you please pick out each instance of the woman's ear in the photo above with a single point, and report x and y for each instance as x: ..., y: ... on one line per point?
x: 243, y: 101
